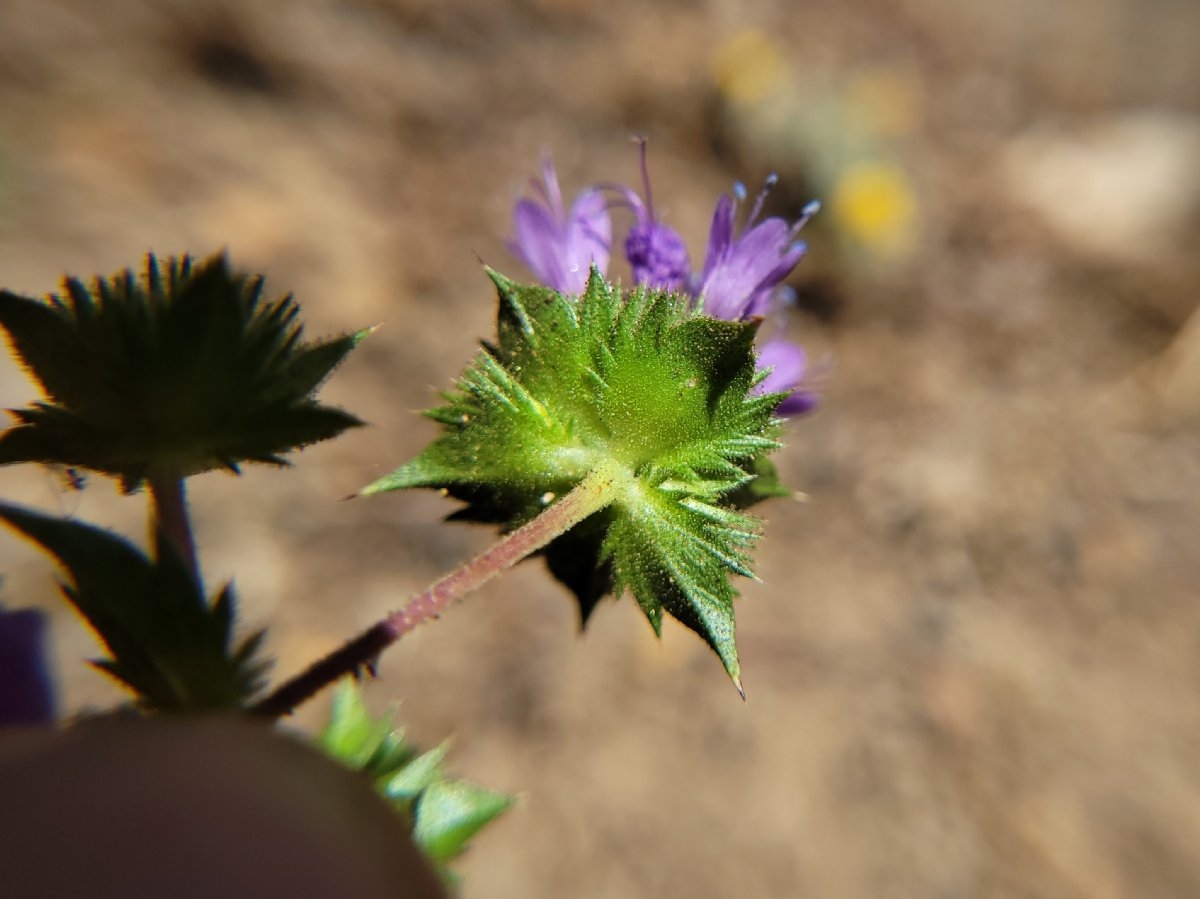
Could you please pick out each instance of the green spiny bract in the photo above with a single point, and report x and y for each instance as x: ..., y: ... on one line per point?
x: 186, y: 369
x: 643, y: 381
x: 168, y: 644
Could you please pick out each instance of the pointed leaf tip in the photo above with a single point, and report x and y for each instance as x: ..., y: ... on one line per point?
x: 359, y: 336
x: 449, y: 813
x: 503, y: 283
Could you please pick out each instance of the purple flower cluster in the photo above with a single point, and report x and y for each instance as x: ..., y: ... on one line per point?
x: 741, y: 278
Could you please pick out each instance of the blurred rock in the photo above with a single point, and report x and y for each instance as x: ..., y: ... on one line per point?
x: 1121, y: 187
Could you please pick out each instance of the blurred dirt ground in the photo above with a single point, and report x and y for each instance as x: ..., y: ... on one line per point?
x: 973, y: 662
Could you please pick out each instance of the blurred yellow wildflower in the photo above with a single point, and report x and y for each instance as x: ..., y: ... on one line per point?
x: 874, y: 203
x: 749, y: 68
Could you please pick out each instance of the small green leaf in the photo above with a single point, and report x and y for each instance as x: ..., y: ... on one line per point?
x: 357, y: 739
x: 187, y: 369
x: 450, y: 813
x: 643, y: 382
x: 168, y: 645
x: 421, y: 772
x: 445, y: 813
x: 763, y: 484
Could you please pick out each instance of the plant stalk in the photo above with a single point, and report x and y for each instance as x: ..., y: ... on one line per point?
x: 591, y: 495
x: 170, y: 521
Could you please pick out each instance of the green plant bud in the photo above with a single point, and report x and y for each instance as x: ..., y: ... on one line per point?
x: 645, y: 386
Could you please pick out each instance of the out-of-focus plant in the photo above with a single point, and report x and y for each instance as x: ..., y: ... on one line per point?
x: 846, y: 138
x: 621, y: 434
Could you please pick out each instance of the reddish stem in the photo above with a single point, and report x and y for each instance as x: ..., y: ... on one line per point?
x: 591, y: 495
x: 170, y: 520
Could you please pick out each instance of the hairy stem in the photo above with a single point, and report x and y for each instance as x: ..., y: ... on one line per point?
x: 591, y: 495
x: 169, y: 518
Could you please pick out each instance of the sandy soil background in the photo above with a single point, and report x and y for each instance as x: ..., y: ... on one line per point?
x: 973, y: 662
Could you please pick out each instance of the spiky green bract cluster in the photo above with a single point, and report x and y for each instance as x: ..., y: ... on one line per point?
x: 641, y: 384
x: 186, y: 369
x: 170, y: 646
x: 445, y: 813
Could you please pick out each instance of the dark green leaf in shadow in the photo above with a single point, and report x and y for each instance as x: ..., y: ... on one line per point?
x: 171, y: 647
x: 188, y: 368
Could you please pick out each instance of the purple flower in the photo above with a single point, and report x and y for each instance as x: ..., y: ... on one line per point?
x: 560, y: 247
x: 656, y: 252
x: 741, y: 271
x: 788, y: 364
x: 26, y: 696
x: 741, y: 278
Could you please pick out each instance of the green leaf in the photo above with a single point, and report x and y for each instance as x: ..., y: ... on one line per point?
x: 642, y: 381
x: 445, y: 813
x: 169, y: 646
x: 408, y: 782
x: 450, y: 813
x: 187, y: 369
x: 359, y: 740
x: 763, y: 484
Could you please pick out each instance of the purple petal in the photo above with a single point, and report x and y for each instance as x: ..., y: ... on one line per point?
x: 559, y: 247
x: 761, y: 303
x: 787, y: 260
x: 537, y: 242
x: 26, y: 696
x: 764, y: 243
x: 550, y: 189
x: 740, y: 272
x: 788, y: 364
x: 719, y: 236
x: 799, y: 402
x: 588, y: 239
x: 758, y: 260
x: 787, y: 361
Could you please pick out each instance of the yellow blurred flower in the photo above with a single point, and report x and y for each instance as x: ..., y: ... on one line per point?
x: 874, y: 203
x: 749, y: 68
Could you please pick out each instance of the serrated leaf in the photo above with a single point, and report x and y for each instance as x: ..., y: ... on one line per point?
x: 187, y: 369
x: 641, y: 381
x: 764, y: 483
x: 449, y: 813
x: 445, y: 813
x: 172, y: 648
x: 417, y: 775
x: 353, y: 735
x: 310, y: 366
